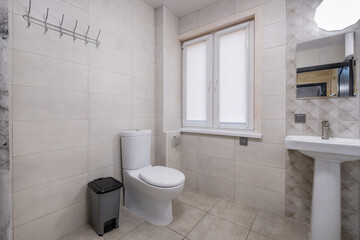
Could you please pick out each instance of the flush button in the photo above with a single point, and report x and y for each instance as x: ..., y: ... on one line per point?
x: 300, y: 118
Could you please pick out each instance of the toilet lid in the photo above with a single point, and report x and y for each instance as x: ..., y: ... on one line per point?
x: 162, y: 176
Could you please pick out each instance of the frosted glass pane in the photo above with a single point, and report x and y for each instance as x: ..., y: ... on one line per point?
x: 233, y: 68
x: 196, y: 82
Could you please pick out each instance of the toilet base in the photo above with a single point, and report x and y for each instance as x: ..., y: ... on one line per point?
x: 153, y: 211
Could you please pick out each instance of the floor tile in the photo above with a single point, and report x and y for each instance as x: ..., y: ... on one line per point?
x: 279, y: 228
x: 147, y: 231
x: 201, y: 200
x: 85, y: 232
x: 127, y: 222
x: 185, y: 217
x: 238, y: 213
x: 215, y: 228
x: 257, y: 236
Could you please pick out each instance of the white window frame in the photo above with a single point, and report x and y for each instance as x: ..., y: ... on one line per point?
x: 209, y: 77
x: 213, y: 125
x: 249, y: 125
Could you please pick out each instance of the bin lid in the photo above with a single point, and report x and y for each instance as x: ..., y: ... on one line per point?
x: 104, y: 185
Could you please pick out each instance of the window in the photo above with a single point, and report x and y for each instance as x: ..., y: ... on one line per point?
x: 218, y: 79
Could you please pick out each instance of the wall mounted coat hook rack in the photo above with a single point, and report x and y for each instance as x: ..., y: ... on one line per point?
x: 59, y: 28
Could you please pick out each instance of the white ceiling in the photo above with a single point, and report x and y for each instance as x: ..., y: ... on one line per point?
x: 180, y: 7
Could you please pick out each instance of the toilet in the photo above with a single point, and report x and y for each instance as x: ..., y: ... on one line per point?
x: 149, y: 190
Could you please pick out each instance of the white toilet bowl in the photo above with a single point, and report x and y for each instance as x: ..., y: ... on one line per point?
x: 150, y: 202
x: 148, y: 190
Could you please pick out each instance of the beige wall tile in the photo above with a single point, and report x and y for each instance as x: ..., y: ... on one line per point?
x: 272, y: 179
x: 39, y: 169
x: 144, y: 123
x: 273, y: 107
x: 108, y: 106
x: 172, y: 124
x: 40, y: 136
x: 217, y: 186
x: 264, y: 154
x: 260, y: 198
x: 273, y: 35
x: 33, y: 40
x: 104, y: 155
x: 144, y: 11
x: 188, y: 22
x: 189, y: 143
x: 110, y: 59
x: 144, y: 49
x: 274, y: 11
x: 55, y: 225
x: 216, y: 167
x: 40, y: 71
x: 242, y: 5
x: 106, y: 82
x: 44, y: 104
x: 273, y: 83
x: 274, y: 59
x: 112, y: 36
x: 117, y: 13
x: 107, y: 130
x: 215, y: 11
x: 144, y: 29
x: 83, y: 4
x: 112, y: 171
x: 38, y: 202
x: 216, y: 146
x: 143, y: 68
x: 190, y: 178
x: 143, y: 88
x: 172, y: 109
x: 273, y: 131
x: 143, y: 108
x: 189, y: 161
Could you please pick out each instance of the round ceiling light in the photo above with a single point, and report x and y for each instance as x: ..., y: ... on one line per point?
x: 332, y: 15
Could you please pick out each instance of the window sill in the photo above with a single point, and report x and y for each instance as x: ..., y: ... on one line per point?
x: 233, y: 133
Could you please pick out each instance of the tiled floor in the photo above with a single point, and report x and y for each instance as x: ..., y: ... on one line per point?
x: 201, y: 216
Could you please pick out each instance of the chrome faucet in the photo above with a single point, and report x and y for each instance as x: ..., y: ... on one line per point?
x: 325, y: 130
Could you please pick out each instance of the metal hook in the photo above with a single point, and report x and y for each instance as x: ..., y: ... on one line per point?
x: 74, y: 37
x: 46, y: 18
x: 97, y: 42
x: 28, y: 14
x: 61, y: 29
x: 86, y: 41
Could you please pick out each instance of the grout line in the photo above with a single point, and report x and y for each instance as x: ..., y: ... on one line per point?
x: 196, y: 225
x: 138, y: 225
x: 174, y: 231
x: 49, y: 214
x: 252, y: 224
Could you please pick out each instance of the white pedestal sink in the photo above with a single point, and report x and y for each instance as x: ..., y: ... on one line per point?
x: 326, y: 199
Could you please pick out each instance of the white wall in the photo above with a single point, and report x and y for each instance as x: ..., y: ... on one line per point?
x: 69, y: 103
x: 254, y: 174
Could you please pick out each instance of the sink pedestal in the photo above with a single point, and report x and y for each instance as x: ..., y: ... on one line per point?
x: 326, y: 201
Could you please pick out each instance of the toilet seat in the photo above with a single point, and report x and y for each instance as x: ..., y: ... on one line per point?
x: 162, y: 176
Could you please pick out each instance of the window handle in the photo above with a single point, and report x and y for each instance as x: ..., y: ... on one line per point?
x: 215, y: 85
